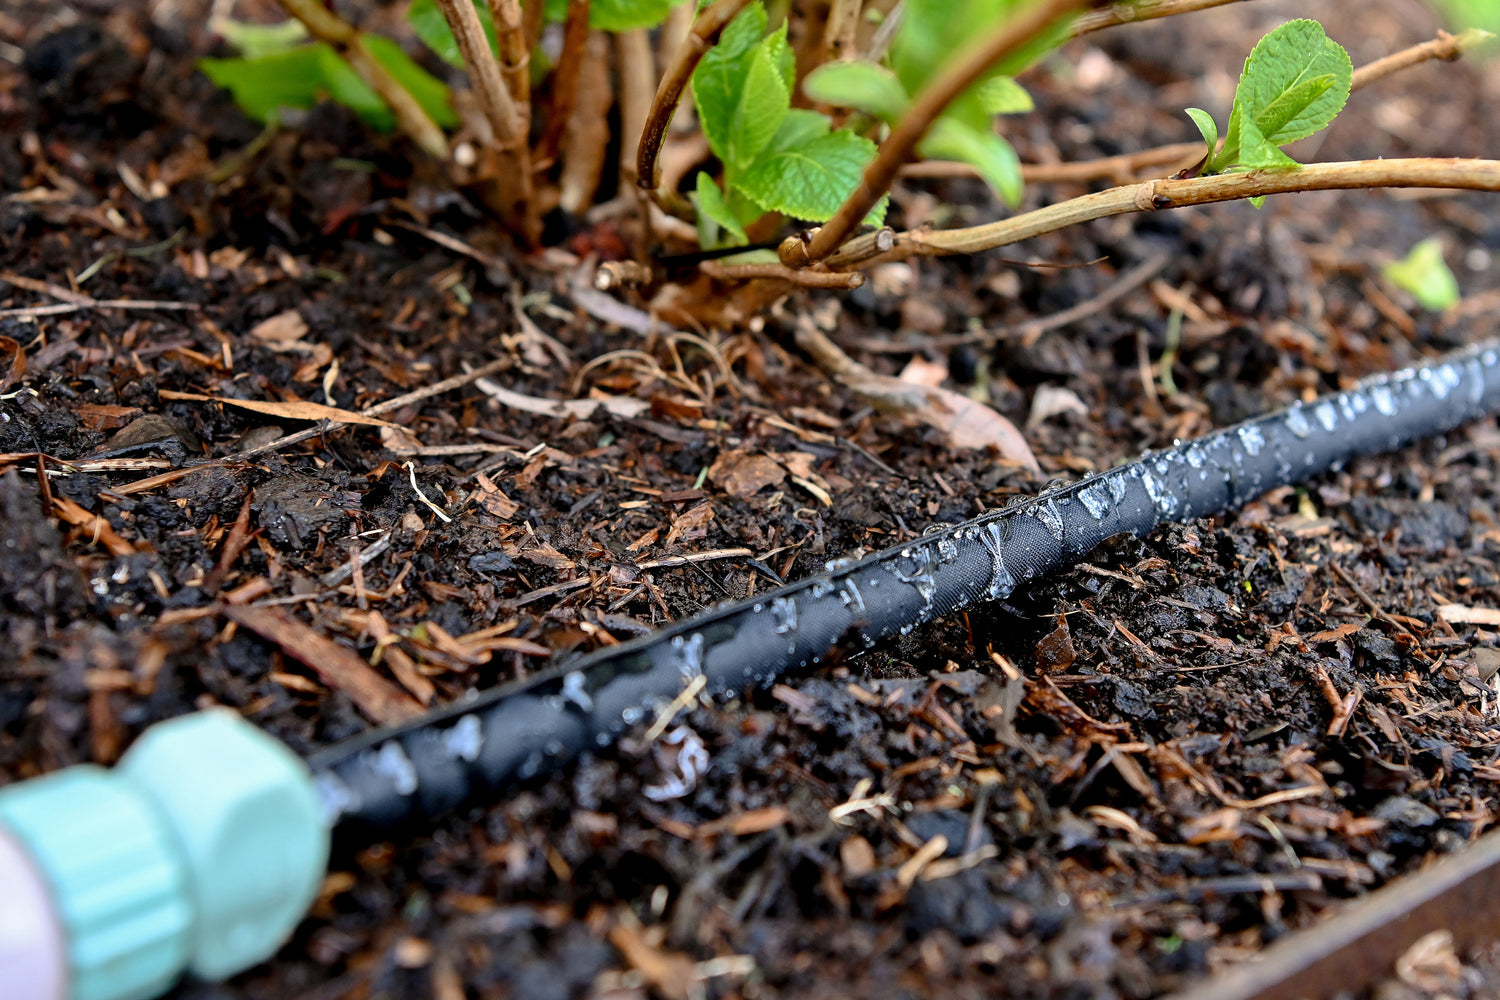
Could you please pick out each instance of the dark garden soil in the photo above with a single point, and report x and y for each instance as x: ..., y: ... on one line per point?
x: 1208, y: 738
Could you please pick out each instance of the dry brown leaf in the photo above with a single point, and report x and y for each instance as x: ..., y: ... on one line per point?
x: 17, y: 366
x: 691, y: 524
x: 967, y: 424
x: 299, y: 409
x: 283, y: 328
x: 742, y: 474
x: 494, y: 500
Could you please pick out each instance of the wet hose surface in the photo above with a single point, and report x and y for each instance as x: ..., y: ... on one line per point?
x: 484, y: 744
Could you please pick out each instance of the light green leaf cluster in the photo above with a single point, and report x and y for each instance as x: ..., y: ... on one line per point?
x: 776, y: 158
x: 931, y: 32
x: 285, y: 73
x: 1424, y: 274
x: 1295, y: 82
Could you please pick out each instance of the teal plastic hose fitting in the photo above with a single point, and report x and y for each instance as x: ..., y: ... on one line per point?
x: 199, y: 852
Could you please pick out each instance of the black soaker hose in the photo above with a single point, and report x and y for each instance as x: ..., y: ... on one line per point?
x: 488, y: 742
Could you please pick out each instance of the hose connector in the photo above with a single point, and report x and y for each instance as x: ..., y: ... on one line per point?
x: 199, y: 852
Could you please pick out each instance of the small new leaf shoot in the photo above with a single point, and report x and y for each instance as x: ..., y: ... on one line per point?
x: 1207, y: 128
x: 255, y: 41
x: 1295, y: 81
x: 1424, y: 274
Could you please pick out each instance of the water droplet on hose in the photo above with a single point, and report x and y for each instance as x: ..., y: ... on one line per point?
x: 784, y: 615
x: 1095, y: 500
x: 1297, y: 423
x: 1251, y: 439
x: 1327, y: 416
x: 1381, y: 396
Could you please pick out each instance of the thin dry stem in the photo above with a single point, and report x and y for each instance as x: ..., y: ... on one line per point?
x: 707, y: 28
x: 964, y: 69
x: 515, y: 54
x: 565, y: 79
x: 635, y: 66
x: 511, y: 189
x: 1131, y: 11
x: 1445, y: 47
x: 1151, y: 196
x: 841, y: 30
x: 807, y: 278
x: 327, y: 26
x: 587, y: 140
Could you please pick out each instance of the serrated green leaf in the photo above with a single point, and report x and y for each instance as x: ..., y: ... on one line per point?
x: 799, y: 127
x: 263, y: 86
x: 1002, y: 95
x: 430, y: 93
x: 714, y: 215
x: 429, y: 25
x: 256, y: 41
x: 986, y: 152
x: 763, y: 102
x: 1426, y: 276
x: 1278, y: 70
x: 1207, y: 127
x: 811, y: 180
x: 863, y: 86
x: 718, y: 84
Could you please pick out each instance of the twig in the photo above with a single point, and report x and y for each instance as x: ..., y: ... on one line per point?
x: 1139, y: 10
x: 706, y: 30
x: 1150, y: 196
x: 964, y: 69
x: 807, y: 278
x: 635, y: 65
x: 1120, y: 169
x: 1445, y: 47
x: 327, y: 26
x: 565, y: 79
x: 512, y: 183
x: 415, y: 396
x: 841, y: 30
x: 515, y: 53
x: 63, y: 308
x: 587, y: 141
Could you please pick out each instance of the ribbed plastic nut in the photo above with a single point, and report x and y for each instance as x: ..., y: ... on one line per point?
x: 117, y: 884
x: 250, y: 829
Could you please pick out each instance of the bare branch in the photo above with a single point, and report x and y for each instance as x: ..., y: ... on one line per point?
x: 1151, y: 196
x: 512, y: 187
x: 806, y: 277
x: 1130, y: 11
x: 515, y: 53
x: 565, y: 79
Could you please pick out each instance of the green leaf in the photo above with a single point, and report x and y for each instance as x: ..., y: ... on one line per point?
x: 1259, y: 153
x: 799, y: 127
x: 1002, y: 95
x: 992, y: 156
x: 935, y: 32
x: 430, y: 93
x: 863, y: 86
x: 1273, y: 88
x: 264, y: 85
x: 714, y: 214
x: 1207, y: 128
x: 256, y: 41
x: 719, y: 81
x: 624, y: 15
x: 1424, y: 274
x: 811, y: 180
